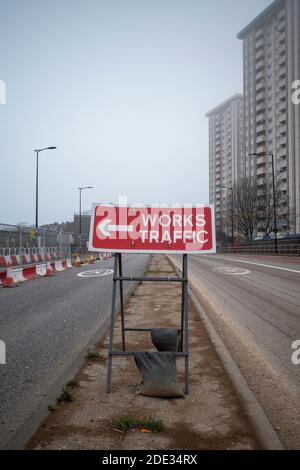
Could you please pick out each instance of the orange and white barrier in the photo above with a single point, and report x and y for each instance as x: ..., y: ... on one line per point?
x: 12, y: 276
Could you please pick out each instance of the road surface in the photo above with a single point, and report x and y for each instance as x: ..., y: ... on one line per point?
x: 46, y: 323
x: 254, y: 303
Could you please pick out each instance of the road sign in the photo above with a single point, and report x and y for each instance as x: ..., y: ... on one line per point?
x: 152, y: 229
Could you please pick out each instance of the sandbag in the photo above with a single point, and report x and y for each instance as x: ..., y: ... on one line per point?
x: 159, y: 373
x: 165, y: 339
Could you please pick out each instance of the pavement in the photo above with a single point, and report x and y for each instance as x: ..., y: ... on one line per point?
x: 210, y: 417
x: 46, y: 324
x: 253, y: 302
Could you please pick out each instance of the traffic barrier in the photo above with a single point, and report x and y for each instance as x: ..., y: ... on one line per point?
x: 29, y: 272
x: 77, y: 262
x: 9, y: 280
x: 41, y: 269
x: 12, y: 276
x: 49, y: 269
x: 58, y: 266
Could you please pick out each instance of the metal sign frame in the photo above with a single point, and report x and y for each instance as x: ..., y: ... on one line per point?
x: 184, y: 333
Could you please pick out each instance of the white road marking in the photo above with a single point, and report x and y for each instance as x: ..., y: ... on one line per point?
x: 231, y: 270
x: 258, y: 264
x: 96, y: 273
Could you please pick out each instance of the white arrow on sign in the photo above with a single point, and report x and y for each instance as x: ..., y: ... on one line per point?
x: 106, y: 228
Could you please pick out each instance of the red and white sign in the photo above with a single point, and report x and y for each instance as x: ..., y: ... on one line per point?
x: 152, y: 229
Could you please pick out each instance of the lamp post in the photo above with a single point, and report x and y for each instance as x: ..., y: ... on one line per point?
x: 232, y: 224
x: 37, y: 151
x: 275, y: 229
x: 80, y: 227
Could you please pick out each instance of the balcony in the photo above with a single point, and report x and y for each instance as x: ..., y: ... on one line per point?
x: 260, y: 107
x: 259, y: 34
x: 281, y: 49
x: 260, y: 139
x: 282, y: 95
x: 260, y: 54
x: 261, y: 129
x: 260, y: 75
x: 282, y: 141
x: 260, y: 65
x: 282, y: 107
x: 281, y: 60
x: 282, y: 153
x: 260, y: 85
x: 259, y: 43
x: 281, y: 38
x: 261, y: 172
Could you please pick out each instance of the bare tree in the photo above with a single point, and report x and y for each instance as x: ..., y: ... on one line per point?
x: 242, y: 208
x: 252, y: 208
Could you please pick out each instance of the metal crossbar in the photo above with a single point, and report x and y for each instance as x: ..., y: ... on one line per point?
x: 184, y: 334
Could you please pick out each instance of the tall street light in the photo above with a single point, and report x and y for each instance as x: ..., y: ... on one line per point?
x: 80, y: 228
x: 275, y: 229
x: 37, y: 184
x: 232, y: 224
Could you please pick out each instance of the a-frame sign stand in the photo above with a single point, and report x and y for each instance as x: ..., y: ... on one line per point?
x: 184, y: 333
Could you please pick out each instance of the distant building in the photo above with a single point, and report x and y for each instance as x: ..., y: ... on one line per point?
x: 85, y: 229
x: 272, y: 121
x: 226, y: 145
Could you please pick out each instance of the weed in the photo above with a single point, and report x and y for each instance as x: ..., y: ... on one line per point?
x: 94, y: 356
x: 127, y: 423
x: 65, y: 396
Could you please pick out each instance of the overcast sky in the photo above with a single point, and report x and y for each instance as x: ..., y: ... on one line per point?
x: 121, y: 87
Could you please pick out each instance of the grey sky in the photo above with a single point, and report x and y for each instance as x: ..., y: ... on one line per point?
x: 121, y: 87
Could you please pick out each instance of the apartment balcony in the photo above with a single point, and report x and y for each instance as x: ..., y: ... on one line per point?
x: 261, y: 160
x: 281, y: 38
x: 281, y: 60
x: 260, y: 85
x: 282, y: 141
x: 282, y: 107
x: 259, y: 43
x: 281, y: 15
x: 261, y: 181
x: 260, y: 75
x: 281, y: 49
x: 261, y: 139
x: 261, y: 129
x: 283, y: 186
x: 259, y: 34
x: 282, y: 152
x: 281, y: 95
x: 260, y: 54
x: 260, y: 107
x: 260, y: 65
x: 261, y: 172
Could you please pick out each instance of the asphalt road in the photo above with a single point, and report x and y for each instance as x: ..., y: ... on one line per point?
x: 254, y: 303
x: 45, y: 324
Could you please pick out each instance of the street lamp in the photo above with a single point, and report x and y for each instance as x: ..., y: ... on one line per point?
x: 37, y: 184
x: 232, y: 224
x: 80, y: 230
x: 275, y: 230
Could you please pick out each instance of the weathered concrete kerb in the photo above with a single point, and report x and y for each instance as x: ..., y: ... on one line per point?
x: 263, y: 429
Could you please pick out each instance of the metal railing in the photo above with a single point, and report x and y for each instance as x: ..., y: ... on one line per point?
x: 18, y: 240
x: 284, y: 249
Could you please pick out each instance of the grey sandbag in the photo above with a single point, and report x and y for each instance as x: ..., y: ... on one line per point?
x: 159, y: 374
x: 165, y: 339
